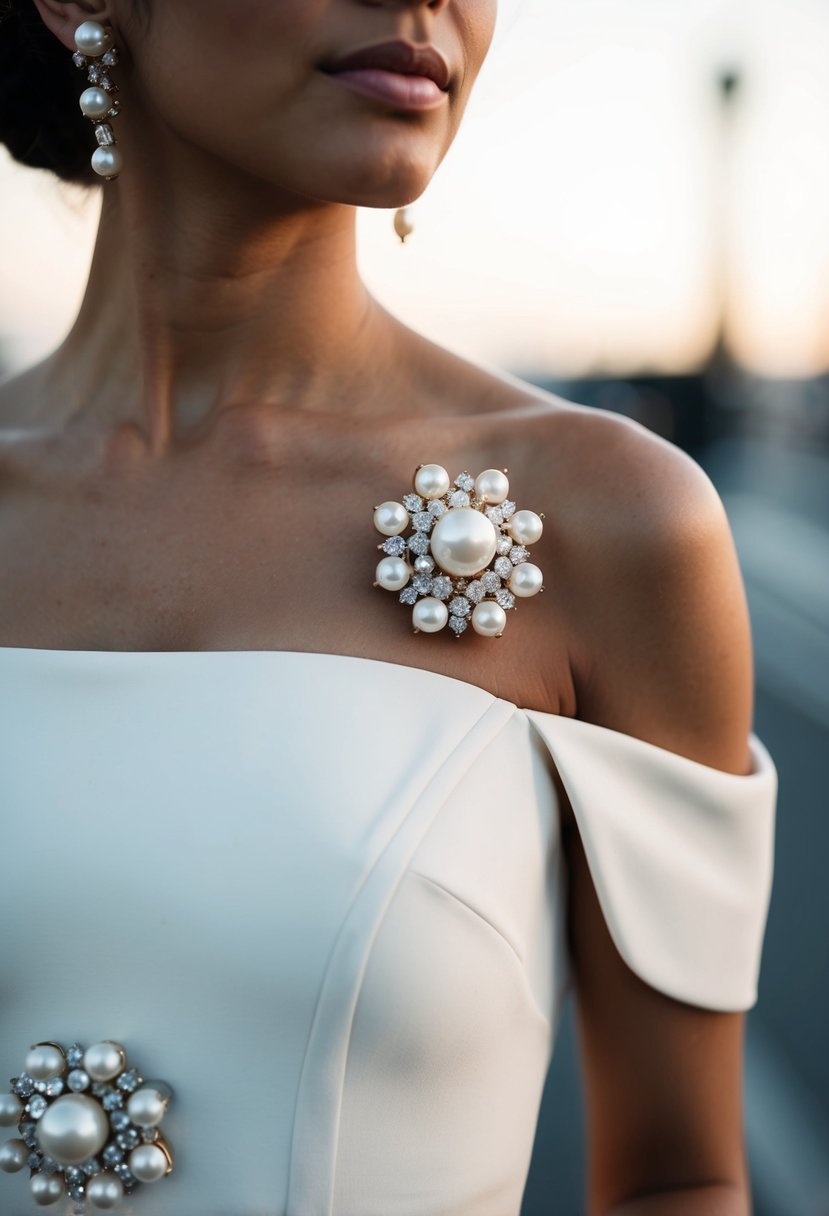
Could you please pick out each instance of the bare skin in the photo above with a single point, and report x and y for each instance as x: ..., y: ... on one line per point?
x: 195, y: 468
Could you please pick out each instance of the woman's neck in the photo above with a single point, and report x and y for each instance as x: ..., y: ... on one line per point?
x: 187, y: 315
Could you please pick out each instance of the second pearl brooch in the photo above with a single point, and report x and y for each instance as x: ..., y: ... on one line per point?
x: 465, y: 562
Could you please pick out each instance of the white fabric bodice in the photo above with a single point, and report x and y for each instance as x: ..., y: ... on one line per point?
x: 324, y: 896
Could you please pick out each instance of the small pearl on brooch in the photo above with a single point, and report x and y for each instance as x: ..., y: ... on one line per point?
x: 44, y: 1061
x: 431, y: 481
x: 525, y: 579
x: 11, y: 1108
x: 148, y: 1163
x: 492, y: 486
x: 393, y: 573
x: 525, y: 527
x: 13, y: 1156
x: 146, y: 1106
x: 391, y: 518
x: 105, y: 1191
x: 103, y: 1061
x: 46, y: 1189
x: 430, y: 614
x: 488, y: 619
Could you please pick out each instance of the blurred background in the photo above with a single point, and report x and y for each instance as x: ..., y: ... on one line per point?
x: 635, y: 215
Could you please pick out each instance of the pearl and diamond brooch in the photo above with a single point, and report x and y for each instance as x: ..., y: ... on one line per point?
x: 465, y: 562
x: 88, y: 1125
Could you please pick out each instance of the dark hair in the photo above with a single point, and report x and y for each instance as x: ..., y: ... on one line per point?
x: 41, y: 122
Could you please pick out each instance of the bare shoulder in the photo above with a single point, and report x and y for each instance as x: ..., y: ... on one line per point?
x: 638, y: 556
x: 643, y: 563
x: 618, y: 490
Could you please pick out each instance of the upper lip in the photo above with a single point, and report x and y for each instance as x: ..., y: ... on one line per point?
x: 396, y: 56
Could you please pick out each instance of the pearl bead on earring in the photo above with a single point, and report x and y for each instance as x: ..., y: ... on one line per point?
x: 94, y: 41
x: 403, y: 226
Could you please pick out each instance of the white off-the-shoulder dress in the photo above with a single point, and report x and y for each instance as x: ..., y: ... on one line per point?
x: 323, y: 897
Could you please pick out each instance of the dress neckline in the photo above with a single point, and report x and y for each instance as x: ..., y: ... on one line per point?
x: 541, y: 717
x: 192, y: 655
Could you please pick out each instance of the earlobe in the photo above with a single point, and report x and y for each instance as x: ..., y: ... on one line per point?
x: 63, y: 19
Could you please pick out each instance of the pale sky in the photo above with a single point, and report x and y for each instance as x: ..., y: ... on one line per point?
x: 591, y: 209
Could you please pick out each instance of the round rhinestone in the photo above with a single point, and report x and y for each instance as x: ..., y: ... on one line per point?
x: 123, y: 1172
x: 129, y: 1080
x: 23, y: 1085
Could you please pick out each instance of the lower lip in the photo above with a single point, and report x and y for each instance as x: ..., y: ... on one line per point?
x: 405, y: 92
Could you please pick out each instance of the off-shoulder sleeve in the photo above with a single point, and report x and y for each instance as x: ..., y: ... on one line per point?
x: 681, y: 856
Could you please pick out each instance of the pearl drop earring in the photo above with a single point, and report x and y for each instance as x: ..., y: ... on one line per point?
x: 94, y: 42
x: 403, y: 226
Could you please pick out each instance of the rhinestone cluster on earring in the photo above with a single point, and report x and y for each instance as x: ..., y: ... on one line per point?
x: 97, y: 56
x: 88, y: 1125
x: 465, y: 563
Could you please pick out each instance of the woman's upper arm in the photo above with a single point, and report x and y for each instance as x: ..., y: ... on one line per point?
x: 668, y: 659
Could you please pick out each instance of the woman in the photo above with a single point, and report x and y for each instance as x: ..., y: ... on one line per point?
x: 329, y: 876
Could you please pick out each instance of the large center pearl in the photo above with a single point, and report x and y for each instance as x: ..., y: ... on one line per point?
x: 463, y: 541
x: 73, y: 1129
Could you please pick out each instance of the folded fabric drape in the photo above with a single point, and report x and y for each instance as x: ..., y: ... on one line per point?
x: 681, y: 856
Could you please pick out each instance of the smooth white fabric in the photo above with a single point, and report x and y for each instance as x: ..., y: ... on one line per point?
x: 323, y: 897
